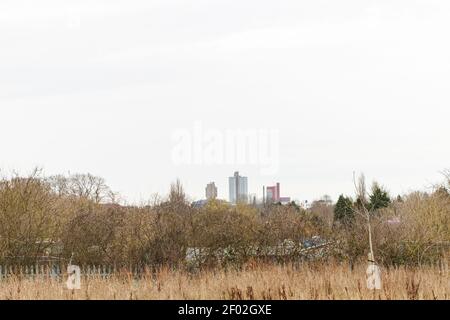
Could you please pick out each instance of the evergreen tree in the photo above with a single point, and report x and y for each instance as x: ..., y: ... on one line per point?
x: 379, y: 198
x: 343, y: 211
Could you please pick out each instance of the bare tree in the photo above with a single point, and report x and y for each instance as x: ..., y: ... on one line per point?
x: 361, y: 209
x: 85, y: 186
x: 177, y: 194
x: 29, y: 221
x: 446, y: 174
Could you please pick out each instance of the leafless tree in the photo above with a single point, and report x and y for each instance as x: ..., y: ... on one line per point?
x: 177, y: 194
x: 361, y: 193
x: 83, y: 186
x: 29, y: 220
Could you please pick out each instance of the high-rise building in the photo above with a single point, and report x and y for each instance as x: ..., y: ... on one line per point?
x: 272, y: 195
x: 211, y: 191
x: 238, y: 188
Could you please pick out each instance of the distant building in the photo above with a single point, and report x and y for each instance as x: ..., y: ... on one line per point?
x: 211, y: 191
x: 238, y: 188
x: 199, y: 203
x: 284, y: 200
x: 325, y: 200
x: 272, y: 195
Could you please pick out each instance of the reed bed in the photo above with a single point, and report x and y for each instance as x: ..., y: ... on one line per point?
x: 254, y: 282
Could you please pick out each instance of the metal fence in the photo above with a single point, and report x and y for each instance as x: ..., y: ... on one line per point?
x: 57, y: 272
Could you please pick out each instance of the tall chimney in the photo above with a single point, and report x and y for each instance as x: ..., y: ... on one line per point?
x: 264, y: 195
x: 278, y: 192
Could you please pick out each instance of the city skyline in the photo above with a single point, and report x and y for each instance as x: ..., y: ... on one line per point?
x: 270, y: 194
x: 235, y: 150
x: 353, y: 86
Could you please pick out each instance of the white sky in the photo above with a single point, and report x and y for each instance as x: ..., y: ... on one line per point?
x: 351, y: 85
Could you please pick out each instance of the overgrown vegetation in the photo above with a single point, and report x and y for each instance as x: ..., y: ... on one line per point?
x: 51, y: 219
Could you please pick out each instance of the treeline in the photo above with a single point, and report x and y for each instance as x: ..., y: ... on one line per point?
x: 78, y: 217
x: 412, y: 229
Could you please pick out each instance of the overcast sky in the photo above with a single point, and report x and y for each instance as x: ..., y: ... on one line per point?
x: 350, y: 85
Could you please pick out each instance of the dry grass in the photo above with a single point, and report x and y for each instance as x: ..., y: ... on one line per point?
x: 258, y: 282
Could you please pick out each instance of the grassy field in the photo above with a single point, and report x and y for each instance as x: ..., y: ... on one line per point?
x: 324, y: 282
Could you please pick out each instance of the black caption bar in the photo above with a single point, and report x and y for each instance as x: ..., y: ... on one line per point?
x: 128, y: 310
